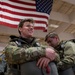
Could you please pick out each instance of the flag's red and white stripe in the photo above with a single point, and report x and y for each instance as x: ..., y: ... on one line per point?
x: 12, y: 11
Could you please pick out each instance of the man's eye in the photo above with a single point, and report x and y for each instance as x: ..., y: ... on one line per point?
x: 30, y: 26
x: 49, y: 42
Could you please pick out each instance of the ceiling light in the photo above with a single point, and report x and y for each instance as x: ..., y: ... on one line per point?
x: 53, y: 25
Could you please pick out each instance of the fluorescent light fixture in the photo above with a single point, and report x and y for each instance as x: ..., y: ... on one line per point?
x: 53, y: 25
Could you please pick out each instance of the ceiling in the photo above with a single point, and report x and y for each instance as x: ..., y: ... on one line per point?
x: 63, y: 15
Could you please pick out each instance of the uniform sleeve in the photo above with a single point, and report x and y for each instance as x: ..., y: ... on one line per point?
x: 57, y: 59
x: 69, y: 56
x: 15, y: 54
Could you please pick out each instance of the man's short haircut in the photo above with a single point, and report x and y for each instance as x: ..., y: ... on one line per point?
x: 22, y: 21
x: 51, y: 35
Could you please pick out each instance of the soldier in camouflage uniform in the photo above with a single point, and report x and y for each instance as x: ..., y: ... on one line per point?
x: 24, y: 54
x: 66, y: 51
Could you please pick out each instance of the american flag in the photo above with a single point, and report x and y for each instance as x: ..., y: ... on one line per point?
x: 12, y: 11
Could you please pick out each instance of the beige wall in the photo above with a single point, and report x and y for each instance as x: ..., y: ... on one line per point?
x: 66, y: 36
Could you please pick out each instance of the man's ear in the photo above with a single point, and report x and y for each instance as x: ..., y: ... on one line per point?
x: 20, y: 29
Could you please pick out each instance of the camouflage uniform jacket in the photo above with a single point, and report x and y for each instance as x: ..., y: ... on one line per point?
x: 66, y: 51
x: 20, y: 50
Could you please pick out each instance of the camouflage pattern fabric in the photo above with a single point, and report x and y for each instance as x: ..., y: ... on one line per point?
x: 16, y: 54
x: 19, y: 51
x: 67, y: 54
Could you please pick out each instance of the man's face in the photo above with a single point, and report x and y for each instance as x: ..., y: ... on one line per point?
x: 27, y: 30
x: 52, y: 41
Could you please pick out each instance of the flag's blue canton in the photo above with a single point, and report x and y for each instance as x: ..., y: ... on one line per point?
x: 44, y: 6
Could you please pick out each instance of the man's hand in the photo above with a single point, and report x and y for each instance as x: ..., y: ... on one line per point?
x: 50, y: 53
x: 43, y: 62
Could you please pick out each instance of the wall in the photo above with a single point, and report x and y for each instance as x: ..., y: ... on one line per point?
x: 66, y: 36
